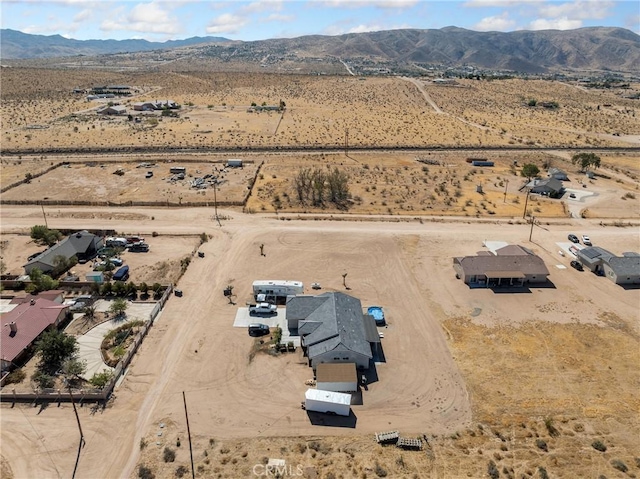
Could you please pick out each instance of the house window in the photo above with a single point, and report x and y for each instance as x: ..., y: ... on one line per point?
x: 345, y: 359
x: 336, y: 359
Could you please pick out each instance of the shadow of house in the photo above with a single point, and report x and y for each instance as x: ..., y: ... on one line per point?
x: 322, y: 419
x: 622, y: 270
x: 333, y: 329
x: 511, y: 266
x: 82, y: 245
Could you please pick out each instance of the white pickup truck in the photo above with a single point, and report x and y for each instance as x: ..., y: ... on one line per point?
x: 262, y: 308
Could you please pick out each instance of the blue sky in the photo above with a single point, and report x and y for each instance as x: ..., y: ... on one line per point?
x: 161, y: 20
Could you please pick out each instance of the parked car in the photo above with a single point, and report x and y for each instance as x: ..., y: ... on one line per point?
x: 258, y: 329
x: 586, y: 240
x: 572, y: 195
x: 573, y: 238
x: 262, y: 308
x: 149, y: 174
x: 576, y: 265
x: 139, y: 248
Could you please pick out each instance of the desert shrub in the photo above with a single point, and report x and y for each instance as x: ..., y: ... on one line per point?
x: 599, y: 446
x: 380, y: 471
x: 542, y: 444
x: 143, y: 443
x: 168, y: 455
x: 100, y: 380
x: 551, y: 429
x: 181, y: 471
x: 637, y: 460
x: 492, y: 470
x: 619, y: 465
x: 16, y: 376
x: 224, y: 450
x: 42, y: 379
x: 543, y: 473
x: 145, y: 473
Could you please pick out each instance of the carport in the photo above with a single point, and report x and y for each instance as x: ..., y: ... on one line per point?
x: 504, y: 278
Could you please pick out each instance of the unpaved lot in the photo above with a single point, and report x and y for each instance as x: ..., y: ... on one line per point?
x: 437, y: 379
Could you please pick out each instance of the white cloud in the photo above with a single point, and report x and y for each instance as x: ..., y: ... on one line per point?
x: 499, y: 3
x: 278, y: 17
x: 144, y: 18
x: 580, y: 9
x: 498, y: 23
x: 83, y: 15
x: 341, y: 29
x: 562, y: 23
x: 366, y: 3
x: 226, y: 23
x: 262, y: 6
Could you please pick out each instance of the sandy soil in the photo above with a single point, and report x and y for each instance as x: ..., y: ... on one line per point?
x: 320, y: 111
x: 443, y: 347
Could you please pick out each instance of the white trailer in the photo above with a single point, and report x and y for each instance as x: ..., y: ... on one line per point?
x: 327, y: 402
x: 277, y: 288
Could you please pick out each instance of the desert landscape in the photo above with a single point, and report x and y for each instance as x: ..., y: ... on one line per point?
x: 534, y: 382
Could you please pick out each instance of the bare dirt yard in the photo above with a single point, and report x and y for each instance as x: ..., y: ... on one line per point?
x: 390, y: 183
x: 320, y: 110
x: 513, y: 381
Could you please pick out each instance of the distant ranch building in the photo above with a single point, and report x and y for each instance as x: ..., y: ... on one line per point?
x: 113, y: 110
x: 144, y: 106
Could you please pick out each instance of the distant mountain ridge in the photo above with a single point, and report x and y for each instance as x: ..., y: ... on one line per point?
x: 17, y: 45
x: 589, y: 48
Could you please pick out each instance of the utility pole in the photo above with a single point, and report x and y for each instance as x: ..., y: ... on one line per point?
x: 193, y: 471
x: 346, y: 141
x: 526, y: 201
x: 44, y: 216
x: 505, y: 190
x: 215, y: 199
x: 533, y: 220
x: 82, y: 441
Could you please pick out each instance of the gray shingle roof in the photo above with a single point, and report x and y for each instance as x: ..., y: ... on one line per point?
x: 77, y: 243
x: 625, y: 265
x: 334, y: 323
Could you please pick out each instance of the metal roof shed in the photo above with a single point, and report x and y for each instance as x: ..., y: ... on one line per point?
x: 328, y: 402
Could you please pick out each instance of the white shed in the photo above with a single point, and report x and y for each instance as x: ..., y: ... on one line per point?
x: 338, y: 377
x: 328, y: 402
x: 234, y: 163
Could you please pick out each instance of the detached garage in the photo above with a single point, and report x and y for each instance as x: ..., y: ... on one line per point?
x: 338, y: 377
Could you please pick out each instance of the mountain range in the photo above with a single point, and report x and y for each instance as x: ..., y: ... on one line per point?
x: 17, y: 45
x: 589, y: 48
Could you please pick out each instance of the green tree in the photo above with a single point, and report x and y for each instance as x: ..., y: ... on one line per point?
x: 43, y: 235
x: 530, y: 171
x: 143, y: 288
x: 40, y: 282
x: 157, y: 290
x: 55, y: 347
x: 42, y: 379
x: 338, y: 186
x: 586, y: 160
x: 61, y: 264
x: 131, y: 290
x: 100, y: 380
x: 72, y: 368
x: 119, y: 306
x: 119, y: 288
x: 106, y: 288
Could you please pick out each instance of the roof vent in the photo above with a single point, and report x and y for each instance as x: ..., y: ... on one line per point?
x: 78, y: 234
x: 13, y: 327
x: 32, y: 302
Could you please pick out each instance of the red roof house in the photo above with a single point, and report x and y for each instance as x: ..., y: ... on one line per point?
x: 22, y: 326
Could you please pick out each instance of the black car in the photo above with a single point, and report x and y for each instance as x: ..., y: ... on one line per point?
x: 573, y: 238
x: 576, y: 265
